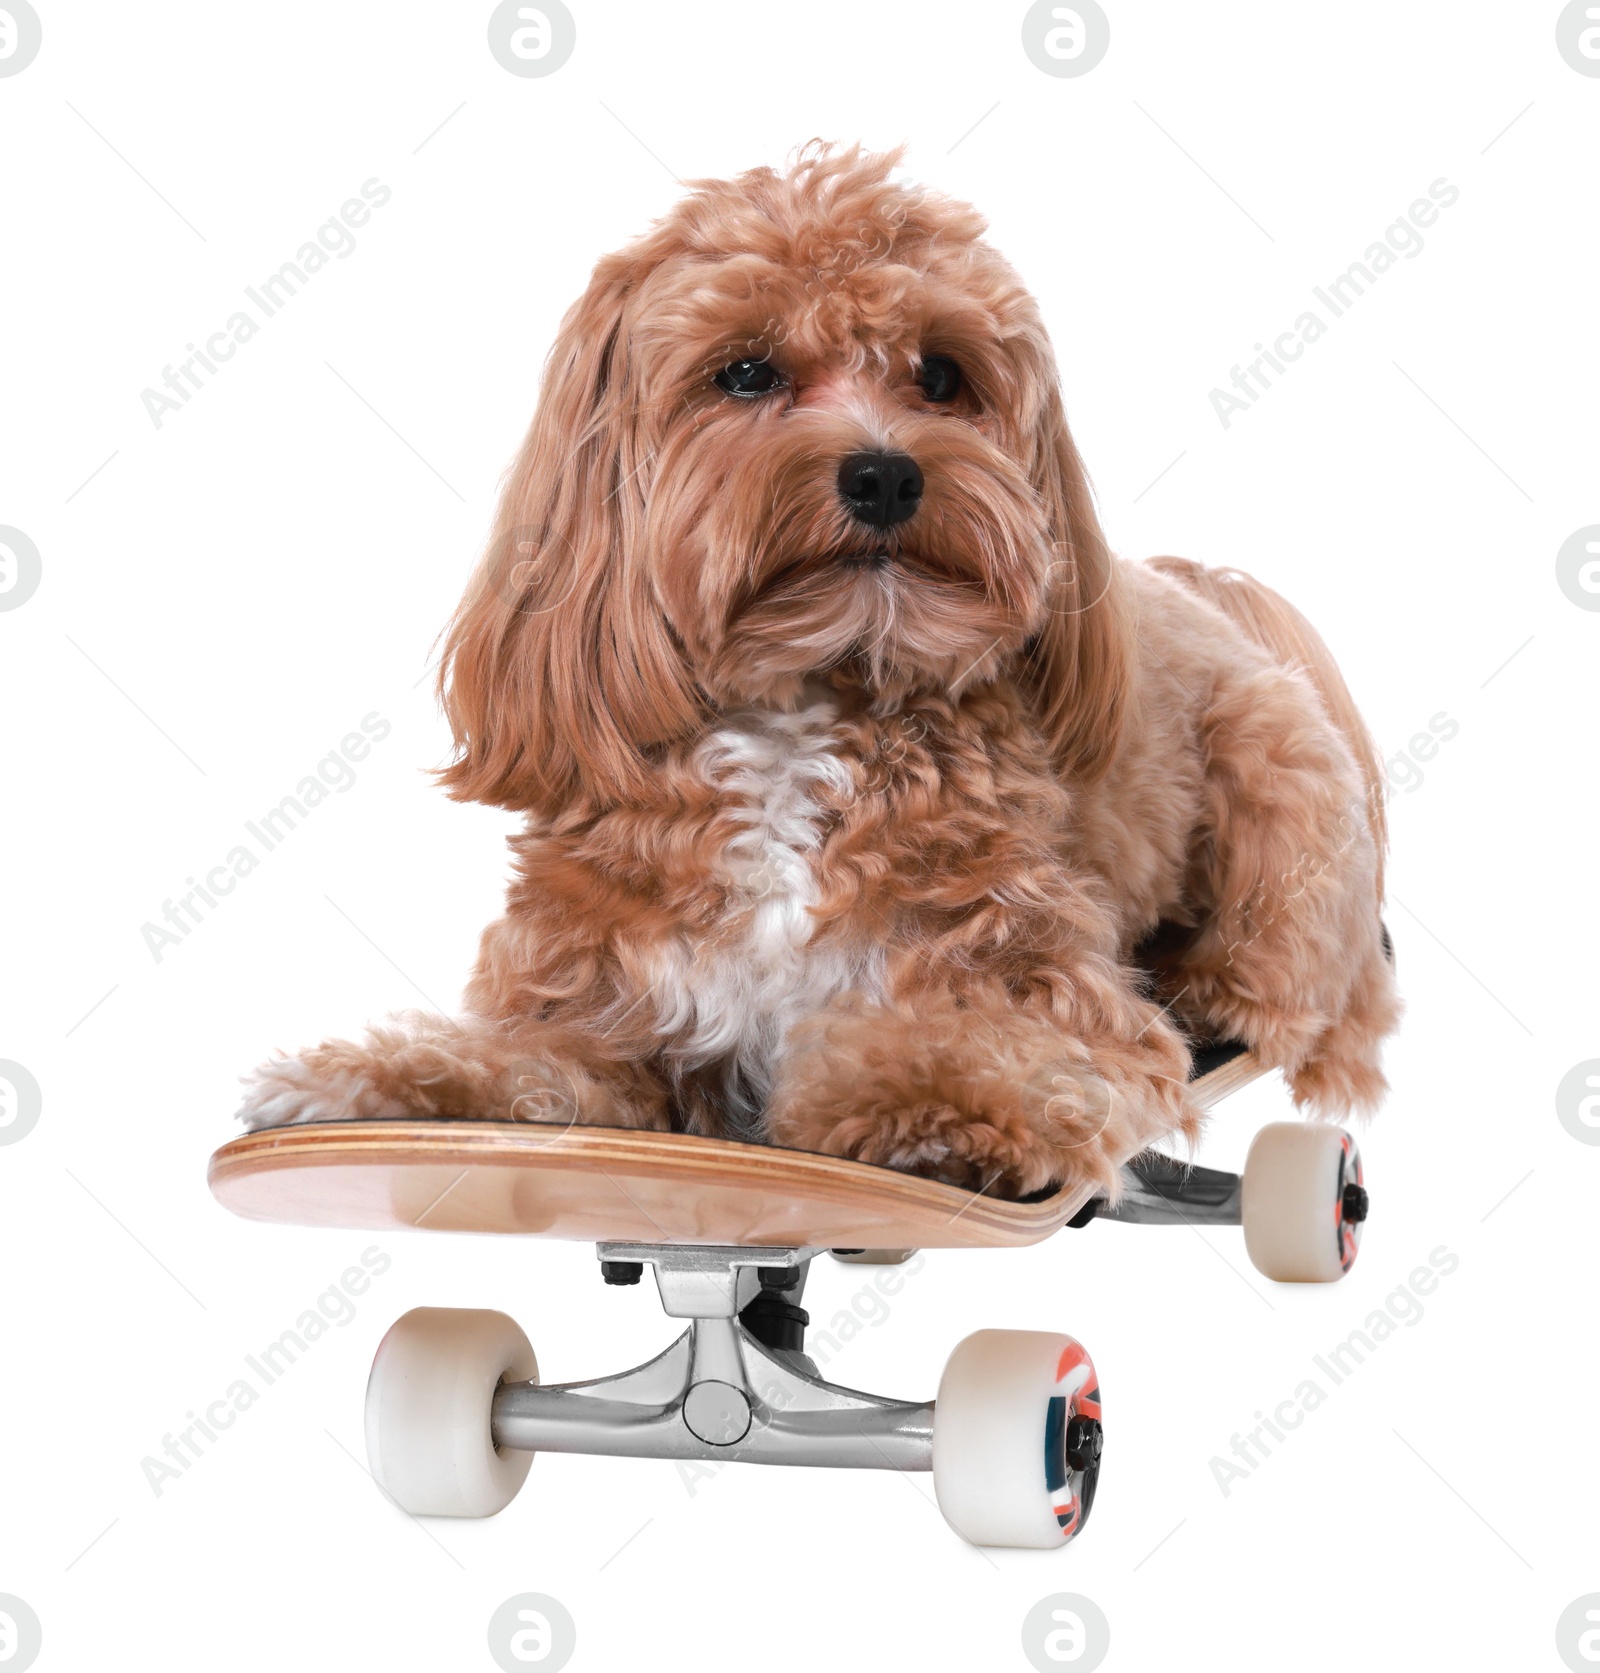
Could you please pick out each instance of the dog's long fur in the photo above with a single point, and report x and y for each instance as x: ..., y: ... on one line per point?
x: 845, y: 837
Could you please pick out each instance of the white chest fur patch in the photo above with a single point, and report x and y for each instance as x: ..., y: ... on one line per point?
x: 734, y: 997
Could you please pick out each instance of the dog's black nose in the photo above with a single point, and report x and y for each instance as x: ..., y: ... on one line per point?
x: 880, y: 489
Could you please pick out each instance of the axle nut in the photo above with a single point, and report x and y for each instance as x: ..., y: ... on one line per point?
x: 1085, y: 1441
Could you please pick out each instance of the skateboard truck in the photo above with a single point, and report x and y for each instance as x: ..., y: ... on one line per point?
x: 1159, y: 1191
x: 1300, y: 1200
x: 718, y: 1392
x: 456, y: 1411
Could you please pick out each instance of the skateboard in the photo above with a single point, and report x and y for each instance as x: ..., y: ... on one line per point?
x: 455, y: 1410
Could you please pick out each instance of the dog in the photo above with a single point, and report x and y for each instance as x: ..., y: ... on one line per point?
x: 856, y: 770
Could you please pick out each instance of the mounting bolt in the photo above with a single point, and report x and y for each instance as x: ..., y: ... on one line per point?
x: 622, y: 1272
x: 1353, y: 1207
x: 778, y: 1277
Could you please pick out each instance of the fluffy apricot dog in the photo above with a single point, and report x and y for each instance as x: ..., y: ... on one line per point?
x: 855, y: 767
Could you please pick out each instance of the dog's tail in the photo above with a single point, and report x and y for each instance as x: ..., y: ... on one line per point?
x: 1280, y: 630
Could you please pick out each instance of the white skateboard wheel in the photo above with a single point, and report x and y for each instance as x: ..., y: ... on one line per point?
x: 429, y: 1400
x: 1016, y: 1438
x: 1302, y: 1202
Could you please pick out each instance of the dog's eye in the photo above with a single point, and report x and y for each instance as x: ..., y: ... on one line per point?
x: 940, y: 377
x: 746, y: 378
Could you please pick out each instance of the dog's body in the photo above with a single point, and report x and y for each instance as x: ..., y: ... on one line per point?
x: 855, y: 767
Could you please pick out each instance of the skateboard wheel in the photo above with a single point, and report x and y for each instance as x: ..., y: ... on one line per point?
x: 1302, y: 1202
x: 1016, y: 1438
x: 429, y: 1401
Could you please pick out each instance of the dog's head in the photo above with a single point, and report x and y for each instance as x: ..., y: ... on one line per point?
x: 809, y: 427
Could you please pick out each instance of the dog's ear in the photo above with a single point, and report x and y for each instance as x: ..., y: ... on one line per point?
x: 1079, y: 665
x: 558, y: 671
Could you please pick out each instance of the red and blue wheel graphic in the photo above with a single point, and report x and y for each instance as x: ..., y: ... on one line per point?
x: 1073, y: 1439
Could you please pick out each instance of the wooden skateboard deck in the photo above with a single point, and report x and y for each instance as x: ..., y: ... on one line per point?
x: 618, y: 1185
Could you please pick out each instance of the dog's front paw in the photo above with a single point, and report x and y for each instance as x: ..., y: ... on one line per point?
x: 1007, y: 1145
x: 288, y: 1090
x: 989, y: 1103
x: 932, y: 1139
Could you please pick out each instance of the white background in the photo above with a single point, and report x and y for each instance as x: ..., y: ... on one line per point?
x: 231, y: 593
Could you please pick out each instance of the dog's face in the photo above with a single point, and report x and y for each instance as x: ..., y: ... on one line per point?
x: 808, y: 427
x: 842, y: 412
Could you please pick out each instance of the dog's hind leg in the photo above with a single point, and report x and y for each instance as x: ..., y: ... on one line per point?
x: 1290, y: 873
x: 1290, y: 959
x: 1342, y: 1071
